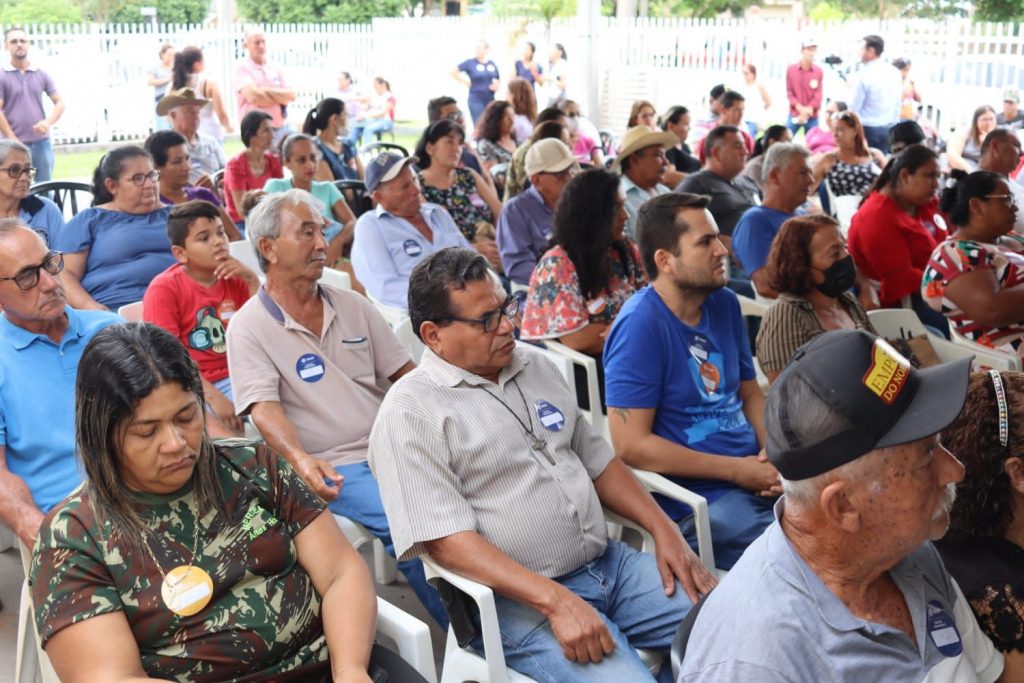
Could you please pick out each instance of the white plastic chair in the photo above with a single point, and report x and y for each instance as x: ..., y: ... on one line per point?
x: 464, y: 664
x: 401, y: 325
x: 410, y: 636
x: 903, y: 323
x: 756, y: 309
x: 132, y: 313
x: 595, y: 416
x: 246, y: 253
x: 385, y: 567
x: 338, y: 279
x: 843, y: 207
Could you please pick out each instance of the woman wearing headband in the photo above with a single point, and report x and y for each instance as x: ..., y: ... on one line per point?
x: 984, y: 548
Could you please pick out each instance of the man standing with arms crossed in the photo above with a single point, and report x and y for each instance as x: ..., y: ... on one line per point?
x: 22, y: 118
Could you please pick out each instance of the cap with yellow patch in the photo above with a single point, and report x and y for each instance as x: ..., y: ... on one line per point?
x: 886, y: 401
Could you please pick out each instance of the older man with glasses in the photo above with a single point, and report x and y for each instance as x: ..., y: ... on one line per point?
x: 41, y: 341
x: 485, y: 462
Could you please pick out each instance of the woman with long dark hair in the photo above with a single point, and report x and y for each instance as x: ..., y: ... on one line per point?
x: 680, y: 158
x: 755, y: 166
x: 581, y: 283
x: 524, y: 106
x: 188, y: 73
x: 338, y: 159
x: 184, y: 560
x: 113, y: 249
x: 976, y: 277
x: 495, y: 140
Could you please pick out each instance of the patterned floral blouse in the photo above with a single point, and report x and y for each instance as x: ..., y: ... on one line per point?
x: 492, y: 151
x: 467, y: 208
x: 852, y: 179
x: 555, y: 305
x: 954, y: 257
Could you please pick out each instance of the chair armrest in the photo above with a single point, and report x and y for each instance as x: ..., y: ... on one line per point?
x: 656, y: 483
x: 589, y: 365
x: 647, y: 543
x: 411, y: 636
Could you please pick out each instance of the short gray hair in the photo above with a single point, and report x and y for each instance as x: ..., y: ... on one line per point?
x: 289, y: 142
x: 779, y: 155
x: 9, y: 226
x: 265, y: 219
x: 7, y: 146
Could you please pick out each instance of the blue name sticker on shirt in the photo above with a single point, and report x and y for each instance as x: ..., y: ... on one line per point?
x: 942, y: 630
x: 550, y: 416
x: 310, y: 367
x: 412, y: 248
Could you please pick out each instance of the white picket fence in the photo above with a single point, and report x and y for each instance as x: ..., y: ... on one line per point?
x: 101, y: 69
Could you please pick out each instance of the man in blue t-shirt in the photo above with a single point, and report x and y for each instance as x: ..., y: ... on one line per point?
x: 682, y: 395
x: 41, y: 341
x: 786, y: 181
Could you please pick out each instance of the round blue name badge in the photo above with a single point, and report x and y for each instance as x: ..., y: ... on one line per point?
x: 942, y: 630
x: 310, y: 367
x: 550, y: 417
x: 412, y: 248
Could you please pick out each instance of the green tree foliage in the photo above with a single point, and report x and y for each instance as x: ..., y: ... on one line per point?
x: 309, y: 11
x: 999, y: 10
x: 167, y: 11
x: 39, y: 12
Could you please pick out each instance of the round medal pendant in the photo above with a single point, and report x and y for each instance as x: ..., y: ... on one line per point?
x: 186, y: 590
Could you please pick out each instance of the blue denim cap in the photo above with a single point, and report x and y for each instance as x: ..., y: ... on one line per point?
x: 384, y: 167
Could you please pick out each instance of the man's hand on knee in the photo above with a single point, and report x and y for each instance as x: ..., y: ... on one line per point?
x: 580, y: 631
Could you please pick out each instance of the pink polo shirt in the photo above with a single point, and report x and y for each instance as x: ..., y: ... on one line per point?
x: 248, y: 72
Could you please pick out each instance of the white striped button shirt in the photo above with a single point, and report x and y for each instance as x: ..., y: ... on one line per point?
x: 449, y: 458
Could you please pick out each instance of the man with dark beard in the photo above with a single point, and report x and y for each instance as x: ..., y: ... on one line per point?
x: 845, y: 585
x: 681, y: 388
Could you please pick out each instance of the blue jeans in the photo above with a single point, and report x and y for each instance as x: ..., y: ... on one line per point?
x: 878, y: 137
x: 624, y: 586
x: 42, y: 159
x: 737, y: 518
x: 793, y: 126
x: 224, y: 387
x: 360, y: 502
x: 371, y: 128
x: 477, y: 104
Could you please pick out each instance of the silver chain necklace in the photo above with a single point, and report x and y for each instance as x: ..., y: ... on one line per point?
x: 536, y: 443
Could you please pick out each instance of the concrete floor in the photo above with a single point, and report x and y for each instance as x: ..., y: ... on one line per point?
x: 11, y: 576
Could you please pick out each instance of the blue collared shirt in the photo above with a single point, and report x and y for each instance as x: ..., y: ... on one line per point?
x: 876, y: 94
x: 37, y: 403
x: 386, y: 248
x: 635, y: 198
x: 524, y: 234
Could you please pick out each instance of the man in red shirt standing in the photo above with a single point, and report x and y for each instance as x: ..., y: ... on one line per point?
x: 803, y: 88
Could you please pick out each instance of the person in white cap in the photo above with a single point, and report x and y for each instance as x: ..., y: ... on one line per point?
x: 803, y: 89
x: 205, y: 154
x: 525, y: 222
x: 400, y: 232
x: 642, y: 164
x: 1011, y: 117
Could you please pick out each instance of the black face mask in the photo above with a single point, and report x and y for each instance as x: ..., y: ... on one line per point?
x: 839, y: 277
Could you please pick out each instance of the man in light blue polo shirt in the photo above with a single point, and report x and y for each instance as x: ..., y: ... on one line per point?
x: 642, y: 164
x: 41, y: 341
x: 845, y: 584
x: 402, y: 231
x: 877, y: 93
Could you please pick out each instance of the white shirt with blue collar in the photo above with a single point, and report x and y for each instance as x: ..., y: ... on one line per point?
x: 386, y: 248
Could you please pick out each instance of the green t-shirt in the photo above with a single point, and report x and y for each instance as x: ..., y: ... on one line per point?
x: 264, y: 615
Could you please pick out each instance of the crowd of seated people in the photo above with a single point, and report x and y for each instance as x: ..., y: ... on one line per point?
x: 605, y: 258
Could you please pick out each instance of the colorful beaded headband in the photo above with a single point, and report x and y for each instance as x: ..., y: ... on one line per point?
x: 1004, y: 412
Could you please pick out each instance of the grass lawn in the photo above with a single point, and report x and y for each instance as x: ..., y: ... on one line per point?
x: 79, y: 165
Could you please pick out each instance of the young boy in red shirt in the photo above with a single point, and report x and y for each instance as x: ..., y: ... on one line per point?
x: 195, y: 298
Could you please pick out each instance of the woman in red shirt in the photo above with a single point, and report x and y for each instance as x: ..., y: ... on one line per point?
x: 893, y: 233
x: 251, y: 169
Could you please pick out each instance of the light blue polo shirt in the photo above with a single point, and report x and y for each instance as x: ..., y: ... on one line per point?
x: 772, y: 620
x: 386, y: 249
x: 37, y: 403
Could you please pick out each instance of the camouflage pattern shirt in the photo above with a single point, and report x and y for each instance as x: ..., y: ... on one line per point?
x: 264, y: 615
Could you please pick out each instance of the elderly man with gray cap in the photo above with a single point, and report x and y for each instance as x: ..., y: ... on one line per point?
x: 400, y: 232
x: 845, y: 585
x: 642, y: 164
x: 525, y: 222
x: 205, y: 154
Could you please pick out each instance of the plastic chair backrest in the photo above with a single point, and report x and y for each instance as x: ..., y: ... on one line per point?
x: 65, y: 194
x: 354, y: 192
x: 338, y: 279
x: 246, y: 253
x: 375, y: 148
x: 132, y: 313
x: 499, y: 173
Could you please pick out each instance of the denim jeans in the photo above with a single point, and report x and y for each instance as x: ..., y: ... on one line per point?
x: 793, y: 126
x: 878, y: 137
x: 624, y: 586
x: 360, y: 502
x: 224, y: 387
x: 42, y: 159
x: 370, y: 128
x: 737, y: 518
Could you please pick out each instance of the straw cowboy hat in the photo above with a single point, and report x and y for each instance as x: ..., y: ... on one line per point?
x: 639, y: 137
x: 178, y: 98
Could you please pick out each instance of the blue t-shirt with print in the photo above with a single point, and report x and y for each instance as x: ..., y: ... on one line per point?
x: 480, y: 76
x: 689, y: 375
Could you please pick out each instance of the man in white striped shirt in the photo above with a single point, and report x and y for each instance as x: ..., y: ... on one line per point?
x: 485, y: 462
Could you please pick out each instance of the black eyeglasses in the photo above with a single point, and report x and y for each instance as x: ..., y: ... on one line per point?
x: 17, y: 170
x: 27, y: 278
x: 490, y: 321
x: 140, y: 179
